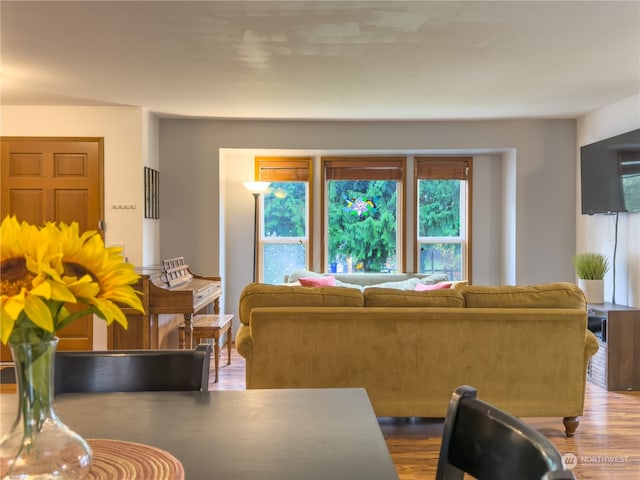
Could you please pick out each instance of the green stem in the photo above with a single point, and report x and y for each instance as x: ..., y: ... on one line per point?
x: 72, y: 317
x: 34, y: 367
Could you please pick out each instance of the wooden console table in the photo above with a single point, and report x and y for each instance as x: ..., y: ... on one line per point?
x: 616, y: 364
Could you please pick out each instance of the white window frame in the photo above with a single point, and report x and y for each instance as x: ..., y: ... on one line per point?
x: 461, y: 240
x: 268, y: 240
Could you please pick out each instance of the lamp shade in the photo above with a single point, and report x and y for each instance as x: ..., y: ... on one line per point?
x: 257, y: 187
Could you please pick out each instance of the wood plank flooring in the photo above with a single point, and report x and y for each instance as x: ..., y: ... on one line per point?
x: 606, y: 445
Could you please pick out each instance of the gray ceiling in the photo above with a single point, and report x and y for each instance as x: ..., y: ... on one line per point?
x: 324, y: 59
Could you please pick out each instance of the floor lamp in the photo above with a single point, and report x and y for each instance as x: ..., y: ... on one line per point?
x: 256, y: 189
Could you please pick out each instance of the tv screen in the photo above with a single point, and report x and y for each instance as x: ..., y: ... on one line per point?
x: 610, y: 174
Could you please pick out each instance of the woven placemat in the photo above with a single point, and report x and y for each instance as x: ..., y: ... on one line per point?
x: 118, y: 460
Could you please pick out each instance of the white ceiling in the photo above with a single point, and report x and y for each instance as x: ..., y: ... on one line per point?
x: 324, y: 59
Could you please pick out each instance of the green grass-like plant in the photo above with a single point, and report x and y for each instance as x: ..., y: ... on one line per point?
x: 591, y: 266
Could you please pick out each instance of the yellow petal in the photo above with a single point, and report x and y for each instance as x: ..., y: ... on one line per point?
x: 84, y: 290
x: 43, y: 290
x: 61, y: 293
x: 14, y: 305
x: 6, y: 326
x: 110, y: 312
x: 38, y: 312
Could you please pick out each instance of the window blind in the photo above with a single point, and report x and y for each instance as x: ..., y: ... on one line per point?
x: 271, y: 169
x: 443, y: 168
x: 363, y: 168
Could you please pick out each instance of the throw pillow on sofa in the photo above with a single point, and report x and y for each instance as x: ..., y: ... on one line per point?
x: 295, y: 276
x: 421, y: 287
x: 328, y: 281
x: 411, y: 283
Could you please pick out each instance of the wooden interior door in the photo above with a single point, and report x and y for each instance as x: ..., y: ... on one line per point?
x: 55, y: 179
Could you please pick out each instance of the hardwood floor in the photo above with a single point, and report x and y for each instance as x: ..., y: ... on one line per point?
x: 606, y: 445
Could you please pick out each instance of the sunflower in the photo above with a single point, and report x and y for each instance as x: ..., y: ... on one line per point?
x: 95, y: 274
x: 22, y: 284
x: 42, y: 269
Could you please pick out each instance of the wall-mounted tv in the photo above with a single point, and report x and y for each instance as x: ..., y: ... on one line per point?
x: 610, y: 174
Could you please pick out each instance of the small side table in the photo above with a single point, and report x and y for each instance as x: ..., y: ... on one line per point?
x: 210, y: 326
x: 616, y: 364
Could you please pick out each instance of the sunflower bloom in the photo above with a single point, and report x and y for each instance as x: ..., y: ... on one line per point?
x: 43, y: 269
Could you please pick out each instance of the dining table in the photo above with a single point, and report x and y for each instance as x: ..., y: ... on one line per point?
x: 283, y: 434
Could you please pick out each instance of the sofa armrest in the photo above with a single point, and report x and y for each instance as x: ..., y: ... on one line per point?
x: 591, y: 345
x: 244, y: 342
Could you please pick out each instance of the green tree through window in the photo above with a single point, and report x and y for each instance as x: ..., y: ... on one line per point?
x: 285, y: 230
x: 284, y: 210
x: 364, y: 241
x: 442, y: 185
x: 439, y: 208
x: 439, y: 227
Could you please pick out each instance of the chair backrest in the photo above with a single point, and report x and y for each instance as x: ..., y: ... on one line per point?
x: 132, y: 370
x: 490, y: 444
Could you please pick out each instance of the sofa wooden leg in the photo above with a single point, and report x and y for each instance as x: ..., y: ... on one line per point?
x: 570, y: 425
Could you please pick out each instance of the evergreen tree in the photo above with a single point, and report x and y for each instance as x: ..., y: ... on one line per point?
x: 439, y: 216
x: 284, y: 210
x: 367, y: 236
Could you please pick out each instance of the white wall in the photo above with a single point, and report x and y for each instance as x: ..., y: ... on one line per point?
x: 130, y: 141
x: 121, y: 128
x: 536, y: 167
x: 489, y: 237
x: 596, y: 233
x: 151, y: 159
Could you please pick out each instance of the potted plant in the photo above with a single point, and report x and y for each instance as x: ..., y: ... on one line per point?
x: 591, y: 269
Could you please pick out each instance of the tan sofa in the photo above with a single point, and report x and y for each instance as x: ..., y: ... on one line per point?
x: 525, y: 349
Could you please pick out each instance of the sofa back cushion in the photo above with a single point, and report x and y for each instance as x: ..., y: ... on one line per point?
x: 548, y: 295
x: 392, y: 297
x: 264, y: 295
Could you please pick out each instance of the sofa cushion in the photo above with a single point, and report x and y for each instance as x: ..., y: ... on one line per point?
x: 548, y: 295
x: 392, y: 297
x: 264, y: 295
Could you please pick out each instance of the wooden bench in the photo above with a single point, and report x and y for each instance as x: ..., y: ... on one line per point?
x: 210, y: 326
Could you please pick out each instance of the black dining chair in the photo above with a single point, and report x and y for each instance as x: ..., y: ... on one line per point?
x: 489, y: 444
x: 132, y: 370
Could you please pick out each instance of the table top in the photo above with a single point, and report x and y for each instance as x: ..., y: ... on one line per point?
x: 212, y: 320
x: 239, y: 435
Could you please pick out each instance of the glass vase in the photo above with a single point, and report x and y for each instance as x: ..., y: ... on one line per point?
x: 39, y: 445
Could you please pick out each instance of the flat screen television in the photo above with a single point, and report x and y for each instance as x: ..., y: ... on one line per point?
x: 610, y: 174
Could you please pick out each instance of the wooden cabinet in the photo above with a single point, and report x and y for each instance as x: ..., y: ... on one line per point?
x: 616, y: 365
